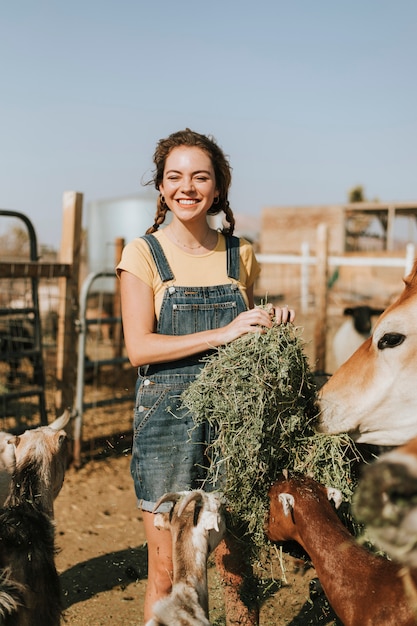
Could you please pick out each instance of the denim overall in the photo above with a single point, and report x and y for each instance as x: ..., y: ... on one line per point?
x: 169, y: 451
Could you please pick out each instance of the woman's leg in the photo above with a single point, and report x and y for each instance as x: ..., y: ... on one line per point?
x: 239, y: 584
x: 159, y: 563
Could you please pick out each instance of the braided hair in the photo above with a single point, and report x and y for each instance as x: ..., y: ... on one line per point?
x: 222, y: 171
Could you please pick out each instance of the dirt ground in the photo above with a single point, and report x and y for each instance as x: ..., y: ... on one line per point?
x: 102, y: 558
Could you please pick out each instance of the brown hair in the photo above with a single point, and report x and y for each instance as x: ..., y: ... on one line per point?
x: 221, y: 166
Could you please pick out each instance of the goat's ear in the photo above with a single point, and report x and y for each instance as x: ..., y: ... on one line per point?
x: 210, y: 520
x: 335, y: 495
x: 15, y: 439
x: 61, y: 437
x: 287, y: 501
x: 161, y: 521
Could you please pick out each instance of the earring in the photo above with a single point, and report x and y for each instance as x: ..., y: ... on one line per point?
x: 162, y: 199
x: 216, y: 200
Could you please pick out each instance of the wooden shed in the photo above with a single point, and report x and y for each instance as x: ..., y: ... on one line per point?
x: 361, y: 228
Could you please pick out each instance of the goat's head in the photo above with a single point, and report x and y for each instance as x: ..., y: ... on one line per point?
x: 46, y: 448
x: 198, y: 509
x: 361, y: 316
x: 286, y: 497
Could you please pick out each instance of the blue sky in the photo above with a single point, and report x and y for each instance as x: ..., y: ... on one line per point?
x: 308, y: 98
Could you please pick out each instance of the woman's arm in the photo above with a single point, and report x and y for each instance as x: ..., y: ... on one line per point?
x: 145, y: 346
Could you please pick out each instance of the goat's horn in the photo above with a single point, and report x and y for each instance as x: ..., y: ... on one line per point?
x: 61, y: 421
x: 190, y: 497
x: 167, y: 497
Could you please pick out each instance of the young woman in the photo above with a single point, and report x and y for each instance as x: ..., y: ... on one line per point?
x: 185, y: 290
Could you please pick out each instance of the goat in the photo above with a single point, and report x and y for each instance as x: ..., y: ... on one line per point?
x: 363, y: 589
x: 29, y: 581
x: 29, y: 439
x: 197, y: 525
x: 353, y: 332
x: 385, y: 501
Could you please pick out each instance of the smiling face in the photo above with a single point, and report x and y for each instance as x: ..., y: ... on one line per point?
x: 189, y: 184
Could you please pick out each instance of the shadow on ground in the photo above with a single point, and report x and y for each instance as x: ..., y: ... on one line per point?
x: 116, y: 569
x: 317, y: 611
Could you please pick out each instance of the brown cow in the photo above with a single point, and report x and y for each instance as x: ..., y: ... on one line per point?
x: 373, y: 395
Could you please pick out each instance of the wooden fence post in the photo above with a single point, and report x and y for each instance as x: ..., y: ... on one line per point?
x: 70, y: 252
x: 320, y: 330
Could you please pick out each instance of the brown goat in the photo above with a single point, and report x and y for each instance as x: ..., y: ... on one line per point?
x: 197, y: 525
x: 363, y: 589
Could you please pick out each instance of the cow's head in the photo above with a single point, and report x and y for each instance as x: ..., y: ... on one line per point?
x: 373, y: 395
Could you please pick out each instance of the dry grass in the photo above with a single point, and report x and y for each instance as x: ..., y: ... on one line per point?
x: 258, y: 394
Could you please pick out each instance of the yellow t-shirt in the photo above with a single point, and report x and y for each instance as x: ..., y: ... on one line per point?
x: 203, y: 270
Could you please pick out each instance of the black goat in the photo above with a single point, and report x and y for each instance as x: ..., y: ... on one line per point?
x: 353, y: 332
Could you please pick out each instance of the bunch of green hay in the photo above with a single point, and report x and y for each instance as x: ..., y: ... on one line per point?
x: 258, y: 393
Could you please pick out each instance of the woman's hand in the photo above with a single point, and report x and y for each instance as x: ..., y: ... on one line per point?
x: 247, y: 322
x: 255, y: 320
x: 283, y: 314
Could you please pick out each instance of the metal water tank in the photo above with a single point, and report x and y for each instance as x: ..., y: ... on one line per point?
x: 106, y: 220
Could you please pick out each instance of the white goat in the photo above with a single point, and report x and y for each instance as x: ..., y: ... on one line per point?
x: 29, y: 582
x: 197, y: 525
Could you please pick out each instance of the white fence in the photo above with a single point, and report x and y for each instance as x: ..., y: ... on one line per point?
x: 306, y: 260
x: 322, y: 261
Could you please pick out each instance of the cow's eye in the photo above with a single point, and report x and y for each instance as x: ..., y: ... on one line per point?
x: 390, y: 340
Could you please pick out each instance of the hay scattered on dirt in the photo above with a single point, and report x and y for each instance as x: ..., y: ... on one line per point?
x: 258, y: 393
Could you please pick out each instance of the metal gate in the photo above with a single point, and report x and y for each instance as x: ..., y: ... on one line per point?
x: 81, y: 405
x: 21, y: 343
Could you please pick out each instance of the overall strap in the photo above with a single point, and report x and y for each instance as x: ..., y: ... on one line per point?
x: 233, y: 257
x: 164, y: 269
x: 162, y: 265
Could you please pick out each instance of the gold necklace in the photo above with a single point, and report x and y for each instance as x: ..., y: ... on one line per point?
x: 200, y: 245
